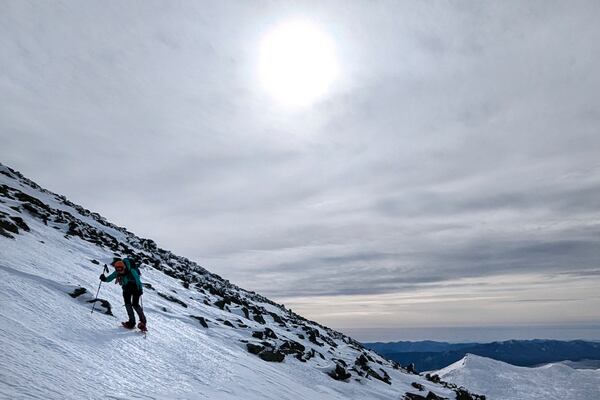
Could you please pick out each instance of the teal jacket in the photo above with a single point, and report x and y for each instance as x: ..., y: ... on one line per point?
x: 126, y: 276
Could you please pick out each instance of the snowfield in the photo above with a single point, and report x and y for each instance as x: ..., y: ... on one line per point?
x: 207, y: 339
x: 502, y: 381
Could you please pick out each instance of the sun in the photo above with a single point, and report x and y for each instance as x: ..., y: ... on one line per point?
x: 297, y: 63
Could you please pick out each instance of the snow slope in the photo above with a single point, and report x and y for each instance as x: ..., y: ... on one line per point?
x: 208, y: 339
x: 502, y: 381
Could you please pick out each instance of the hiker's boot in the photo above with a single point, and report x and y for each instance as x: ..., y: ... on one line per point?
x: 128, y: 324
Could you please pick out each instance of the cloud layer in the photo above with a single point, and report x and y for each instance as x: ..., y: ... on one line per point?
x: 459, y: 147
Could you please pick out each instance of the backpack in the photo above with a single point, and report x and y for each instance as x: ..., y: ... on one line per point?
x: 133, y: 265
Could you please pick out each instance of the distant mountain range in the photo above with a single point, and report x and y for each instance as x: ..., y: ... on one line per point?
x: 430, y: 355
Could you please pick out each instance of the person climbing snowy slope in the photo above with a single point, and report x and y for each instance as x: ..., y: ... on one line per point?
x: 128, y: 277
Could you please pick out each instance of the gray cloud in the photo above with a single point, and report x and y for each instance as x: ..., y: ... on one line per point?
x: 459, y: 142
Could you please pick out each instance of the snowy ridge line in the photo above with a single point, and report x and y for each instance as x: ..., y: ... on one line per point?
x: 88, y: 217
x: 503, y: 381
x: 60, y: 200
x: 55, y: 246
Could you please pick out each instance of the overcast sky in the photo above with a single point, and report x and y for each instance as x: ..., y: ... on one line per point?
x: 449, y: 175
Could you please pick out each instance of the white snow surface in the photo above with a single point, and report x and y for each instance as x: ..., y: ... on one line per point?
x: 502, y: 381
x: 52, y: 347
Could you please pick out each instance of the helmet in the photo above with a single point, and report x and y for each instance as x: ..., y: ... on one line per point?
x: 119, y: 265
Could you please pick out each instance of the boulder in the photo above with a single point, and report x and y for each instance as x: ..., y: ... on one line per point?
x: 259, y: 318
x: 291, y: 347
x: 254, y: 348
x: 272, y: 355
x: 78, y: 292
x: 340, y: 373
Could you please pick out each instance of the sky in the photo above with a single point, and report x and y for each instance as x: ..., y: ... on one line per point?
x: 444, y: 171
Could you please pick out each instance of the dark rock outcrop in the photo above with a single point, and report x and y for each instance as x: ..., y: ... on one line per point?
x: 271, y: 355
x: 20, y: 223
x: 254, y: 348
x: 411, y: 368
x: 340, y: 373
x: 200, y: 319
x: 104, y: 304
x: 78, y: 292
x: 430, y: 396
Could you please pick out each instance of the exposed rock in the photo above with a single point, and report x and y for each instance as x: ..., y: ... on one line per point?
x: 462, y: 394
x: 313, y: 334
x: 201, y: 320
x: 412, y: 396
x: 78, y: 292
x: 20, y: 223
x: 362, y: 361
x: 254, y: 348
x: 272, y: 355
x: 291, y: 347
x: 220, y: 303
x: 331, y: 342
x: 6, y: 227
x: 383, y: 376
x: 340, y: 361
x: 340, y: 373
x: 417, y: 386
x: 277, y: 319
x: 433, y: 396
x: 430, y: 396
x: 432, y: 378
x: 105, y: 304
x: 259, y: 318
x: 270, y: 334
x: 258, y: 334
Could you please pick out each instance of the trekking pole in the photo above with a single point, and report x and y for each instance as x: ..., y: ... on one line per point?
x: 104, y: 270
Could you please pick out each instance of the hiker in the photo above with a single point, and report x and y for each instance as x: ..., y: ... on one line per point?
x: 128, y: 277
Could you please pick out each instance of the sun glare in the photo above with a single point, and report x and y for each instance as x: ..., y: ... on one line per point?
x: 297, y: 63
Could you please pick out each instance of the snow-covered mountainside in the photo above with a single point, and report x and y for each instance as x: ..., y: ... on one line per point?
x: 208, y: 338
x: 501, y: 381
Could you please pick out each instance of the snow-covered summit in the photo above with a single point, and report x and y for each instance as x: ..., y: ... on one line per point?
x: 502, y: 381
x: 208, y: 339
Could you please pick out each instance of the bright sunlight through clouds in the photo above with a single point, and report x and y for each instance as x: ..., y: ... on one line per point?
x: 297, y: 63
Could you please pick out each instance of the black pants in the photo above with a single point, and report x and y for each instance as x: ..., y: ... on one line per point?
x: 131, y: 295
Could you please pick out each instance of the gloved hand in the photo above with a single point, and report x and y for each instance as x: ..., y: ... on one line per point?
x: 102, y: 278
